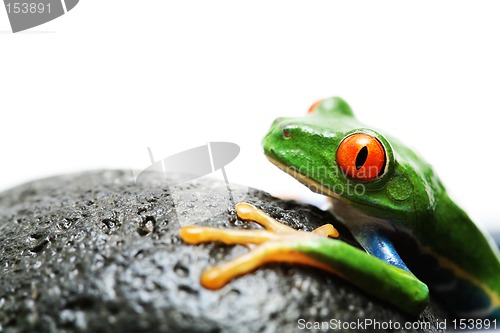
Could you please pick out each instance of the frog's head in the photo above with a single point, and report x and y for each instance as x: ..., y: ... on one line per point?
x: 332, y: 153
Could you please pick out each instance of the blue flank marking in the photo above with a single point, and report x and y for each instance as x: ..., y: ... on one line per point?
x: 379, y: 245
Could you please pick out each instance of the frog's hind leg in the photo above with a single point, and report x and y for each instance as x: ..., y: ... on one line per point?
x: 277, y: 244
x: 217, y: 277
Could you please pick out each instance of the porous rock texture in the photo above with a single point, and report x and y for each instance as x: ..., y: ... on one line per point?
x: 97, y: 252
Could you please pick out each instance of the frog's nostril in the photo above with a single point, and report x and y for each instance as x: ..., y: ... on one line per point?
x: 277, y: 120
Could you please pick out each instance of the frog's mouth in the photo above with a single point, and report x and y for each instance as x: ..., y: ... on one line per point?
x: 310, y: 183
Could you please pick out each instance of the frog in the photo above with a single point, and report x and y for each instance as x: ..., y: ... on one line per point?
x: 413, y: 238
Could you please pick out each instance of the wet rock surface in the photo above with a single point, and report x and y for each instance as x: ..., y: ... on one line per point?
x: 96, y: 252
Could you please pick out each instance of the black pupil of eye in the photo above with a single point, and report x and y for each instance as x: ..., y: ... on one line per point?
x: 361, y: 158
x: 286, y: 134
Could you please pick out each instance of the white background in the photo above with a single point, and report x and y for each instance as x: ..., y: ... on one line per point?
x: 96, y: 87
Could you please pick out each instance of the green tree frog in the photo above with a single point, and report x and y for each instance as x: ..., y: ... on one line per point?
x: 392, y: 202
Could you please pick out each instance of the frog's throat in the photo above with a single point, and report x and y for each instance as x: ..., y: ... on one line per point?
x: 310, y: 183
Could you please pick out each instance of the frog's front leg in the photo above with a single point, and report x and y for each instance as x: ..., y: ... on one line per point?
x: 280, y: 243
x: 275, y: 246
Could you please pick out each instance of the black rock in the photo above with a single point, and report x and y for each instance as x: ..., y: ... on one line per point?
x: 96, y: 252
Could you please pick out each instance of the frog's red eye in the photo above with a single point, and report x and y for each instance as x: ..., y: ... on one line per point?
x: 361, y: 157
x: 313, y: 107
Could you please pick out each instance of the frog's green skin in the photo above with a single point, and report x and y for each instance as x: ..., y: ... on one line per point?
x: 406, y: 210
